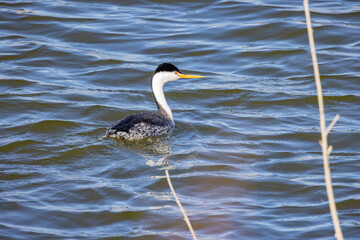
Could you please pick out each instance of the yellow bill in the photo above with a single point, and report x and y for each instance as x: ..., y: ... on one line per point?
x: 189, y: 76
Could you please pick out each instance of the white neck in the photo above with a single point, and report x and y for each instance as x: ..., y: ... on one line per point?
x: 157, y: 85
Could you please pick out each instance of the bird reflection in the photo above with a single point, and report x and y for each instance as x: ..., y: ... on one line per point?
x: 155, y: 150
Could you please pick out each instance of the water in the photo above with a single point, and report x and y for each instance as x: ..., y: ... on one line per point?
x: 244, y: 157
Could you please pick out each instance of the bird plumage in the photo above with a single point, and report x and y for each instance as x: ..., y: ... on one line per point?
x: 141, y: 125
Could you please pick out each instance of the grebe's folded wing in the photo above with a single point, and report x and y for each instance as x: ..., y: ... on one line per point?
x: 149, y: 118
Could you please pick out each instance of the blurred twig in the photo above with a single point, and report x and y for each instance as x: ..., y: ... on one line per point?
x: 324, y: 131
x: 180, y: 206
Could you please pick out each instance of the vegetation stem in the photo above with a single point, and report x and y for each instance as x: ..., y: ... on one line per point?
x: 180, y: 206
x: 324, y: 132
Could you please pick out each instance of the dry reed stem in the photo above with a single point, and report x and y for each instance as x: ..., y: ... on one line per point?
x: 180, y: 206
x: 324, y: 131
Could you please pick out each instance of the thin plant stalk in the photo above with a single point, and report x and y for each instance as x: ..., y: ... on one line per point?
x: 180, y: 206
x: 324, y: 131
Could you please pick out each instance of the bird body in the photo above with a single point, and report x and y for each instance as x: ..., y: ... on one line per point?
x: 141, y: 125
x: 151, y: 124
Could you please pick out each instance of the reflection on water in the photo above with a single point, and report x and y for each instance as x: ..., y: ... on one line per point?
x: 155, y: 150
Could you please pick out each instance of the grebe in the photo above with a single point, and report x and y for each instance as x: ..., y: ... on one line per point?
x: 151, y: 124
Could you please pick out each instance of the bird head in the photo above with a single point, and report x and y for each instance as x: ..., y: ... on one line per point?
x: 168, y: 72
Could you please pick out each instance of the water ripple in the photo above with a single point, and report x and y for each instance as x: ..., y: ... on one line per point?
x: 243, y: 157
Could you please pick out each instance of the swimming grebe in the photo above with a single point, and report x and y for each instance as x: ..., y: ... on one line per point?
x: 151, y: 124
